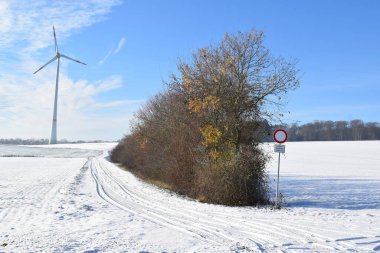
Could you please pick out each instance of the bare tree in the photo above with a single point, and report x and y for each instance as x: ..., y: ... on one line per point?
x: 235, y: 82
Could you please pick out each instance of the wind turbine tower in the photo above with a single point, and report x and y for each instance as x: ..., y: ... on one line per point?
x: 58, y: 55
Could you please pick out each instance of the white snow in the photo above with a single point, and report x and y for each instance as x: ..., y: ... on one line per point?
x: 354, y: 159
x: 330, y: 174
x: 69, y: 200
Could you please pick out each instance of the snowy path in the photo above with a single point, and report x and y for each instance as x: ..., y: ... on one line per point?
x: 89, y: 204
x: 236, y: 228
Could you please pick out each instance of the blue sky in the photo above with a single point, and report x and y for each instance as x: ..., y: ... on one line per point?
x: 132, y: 46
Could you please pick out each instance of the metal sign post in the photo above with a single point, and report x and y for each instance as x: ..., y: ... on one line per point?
x: 280, y: 136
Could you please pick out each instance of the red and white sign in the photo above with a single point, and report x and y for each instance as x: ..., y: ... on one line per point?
x: 280, y: 135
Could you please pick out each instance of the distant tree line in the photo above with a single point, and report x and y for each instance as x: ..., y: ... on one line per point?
x: 354, y: 130
x: 18, y: 141
x: 197, y: 138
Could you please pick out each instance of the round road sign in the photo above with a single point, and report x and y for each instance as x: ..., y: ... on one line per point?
x: 280, y: 135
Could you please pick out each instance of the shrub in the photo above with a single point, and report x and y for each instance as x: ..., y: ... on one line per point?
x: 201, y: 135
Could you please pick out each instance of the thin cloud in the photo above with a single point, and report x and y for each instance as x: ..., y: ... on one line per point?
x: 113, y: 51
x: 119, y: 46
x: 102, y: 61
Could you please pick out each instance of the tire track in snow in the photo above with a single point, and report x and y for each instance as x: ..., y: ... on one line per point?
x: 200, y: 230
x: 250, y: 231
x: 206, y: 223
x: 293, y: 232
x: 104, y: 190
x: 215, y: 227
x: 279, y: 229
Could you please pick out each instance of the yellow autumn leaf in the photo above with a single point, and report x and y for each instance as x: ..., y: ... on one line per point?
x: 211, y: 135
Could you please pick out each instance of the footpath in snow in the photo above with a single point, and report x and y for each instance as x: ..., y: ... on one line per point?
x: 72, y: 199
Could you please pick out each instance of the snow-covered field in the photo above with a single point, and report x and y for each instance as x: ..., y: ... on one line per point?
x: 330, y: 174
x: 71, y: 198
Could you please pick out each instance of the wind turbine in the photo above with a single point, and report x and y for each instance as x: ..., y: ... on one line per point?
x: 53, y: 138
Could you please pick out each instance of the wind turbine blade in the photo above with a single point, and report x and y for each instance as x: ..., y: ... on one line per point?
x: 64, y: 56
x: 55, y: 41
x: 54, y: 58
